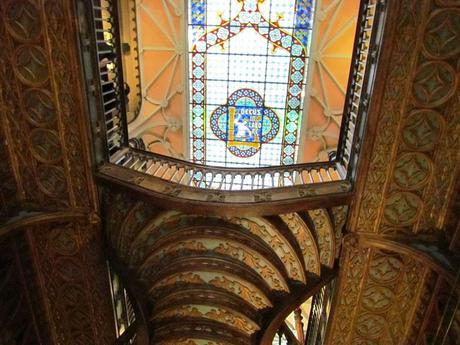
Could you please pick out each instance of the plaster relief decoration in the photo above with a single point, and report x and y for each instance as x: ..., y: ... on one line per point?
x: 44, y: 130
x: 413, y: 168
x: 217, y: 278
x: 243, y: 83
x: 162, y: 53
x: 386, y: 296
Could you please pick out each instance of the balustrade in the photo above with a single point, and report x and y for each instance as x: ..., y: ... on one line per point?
x: 112, y: 122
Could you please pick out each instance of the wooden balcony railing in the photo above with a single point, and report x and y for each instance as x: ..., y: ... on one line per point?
x: 361, y: 81
x: 121, y: 163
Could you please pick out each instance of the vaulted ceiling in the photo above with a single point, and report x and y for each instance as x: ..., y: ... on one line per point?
x: 395, y: 271
x: 227, y: 273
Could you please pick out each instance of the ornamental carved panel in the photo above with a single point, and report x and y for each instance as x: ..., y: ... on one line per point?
x: 414, y: 160
x: 41, y: 97
x: 387, y: 295
x: 45, y: 168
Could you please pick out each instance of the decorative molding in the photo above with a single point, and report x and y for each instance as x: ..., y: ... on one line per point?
x: 381, y: 291
x: 409, y: 180
x: 237, y: 272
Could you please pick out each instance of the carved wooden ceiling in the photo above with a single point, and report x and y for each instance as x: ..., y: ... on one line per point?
x: 391, y: 289
x: 48, y: 196
x: 217, y: 279
x: 389, y: 292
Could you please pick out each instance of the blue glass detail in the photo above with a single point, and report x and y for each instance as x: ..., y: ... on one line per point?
x: 303, y: 20
x: 198, y: 12
x: 198, y: 17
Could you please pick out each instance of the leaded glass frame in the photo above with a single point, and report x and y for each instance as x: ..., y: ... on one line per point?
x: 231, y: 94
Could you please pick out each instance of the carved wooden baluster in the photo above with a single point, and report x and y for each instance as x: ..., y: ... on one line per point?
x: 231, y: 181
x: 127, y: 161
x: 213, y: 176
x: 168, y: 171
x: 299, y: 325
x: 255, y: 184
x: 152, y: 167
x: 329, y: 175
x: 133, y: 164
x: 310, y: 178
x: 302, y: 179
x: 143, y: 165
x: 160, y: 170
x: 176, y: 171
x: 201, y: 179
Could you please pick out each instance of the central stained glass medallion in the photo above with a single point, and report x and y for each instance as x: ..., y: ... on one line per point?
x: 244, y: 123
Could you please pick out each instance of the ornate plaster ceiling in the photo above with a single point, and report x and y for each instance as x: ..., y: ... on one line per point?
x: 218, y: 278
x: 388, y: 292
x: 407, y: 182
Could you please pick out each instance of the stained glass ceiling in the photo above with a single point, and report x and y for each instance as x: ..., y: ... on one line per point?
x: 235, y: 83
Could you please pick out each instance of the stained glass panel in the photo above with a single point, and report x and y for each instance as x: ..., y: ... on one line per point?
x: 248, y: 62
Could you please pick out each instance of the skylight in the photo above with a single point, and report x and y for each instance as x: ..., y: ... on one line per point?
x: 238, y: 83
x: 247, y: 75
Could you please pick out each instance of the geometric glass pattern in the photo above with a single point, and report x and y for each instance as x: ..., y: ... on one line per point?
x: 244, y: 123
x: 248, y: 62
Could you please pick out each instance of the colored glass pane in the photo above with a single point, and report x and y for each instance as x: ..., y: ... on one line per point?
x: 248, y: 62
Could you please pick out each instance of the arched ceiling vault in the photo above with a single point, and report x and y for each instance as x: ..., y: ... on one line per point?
x: 216, y: 279
x: 407, y: 185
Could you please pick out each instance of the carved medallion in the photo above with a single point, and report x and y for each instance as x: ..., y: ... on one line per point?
x: 38, y: 107
x: 412, y: 170
x: 23, y: 20
x: 402, y: 208
x: 72, y: 295
x: 422, y: 129
x: 434, y: 84
x: 370, y: 325
x: 44, y: 145
x: 31, y: 66
x: 62, y: 240
x: 68, y: 269
x: 442, y: 34
x: 377, y: 298
x: 385, y: 268
x: 51, y: 180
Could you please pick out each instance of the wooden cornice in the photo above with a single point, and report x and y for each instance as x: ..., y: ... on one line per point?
x: 237, y: 203
x: 30, y: 219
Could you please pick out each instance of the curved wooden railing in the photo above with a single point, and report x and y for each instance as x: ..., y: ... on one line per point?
x: 118, y: 162
x: 217, y: 178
